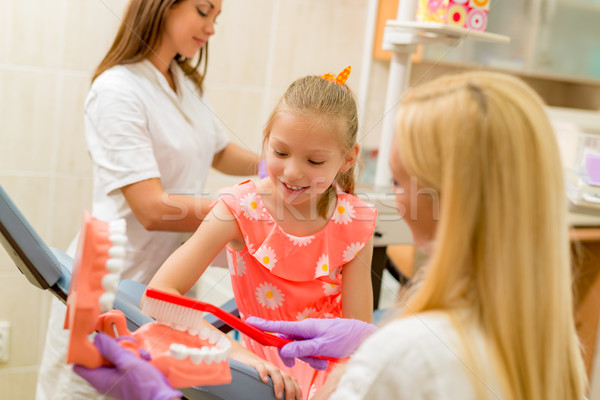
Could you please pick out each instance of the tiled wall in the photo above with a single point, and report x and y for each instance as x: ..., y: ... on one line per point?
x: 48, y: 51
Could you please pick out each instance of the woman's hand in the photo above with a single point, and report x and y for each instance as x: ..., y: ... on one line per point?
x: 130, y: 377
x: 281, y: 380
x: 335, y: 337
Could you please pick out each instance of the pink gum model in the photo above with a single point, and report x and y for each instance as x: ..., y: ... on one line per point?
x: 184, y: 358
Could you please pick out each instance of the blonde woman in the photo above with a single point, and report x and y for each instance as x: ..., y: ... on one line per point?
x: 479, y: 182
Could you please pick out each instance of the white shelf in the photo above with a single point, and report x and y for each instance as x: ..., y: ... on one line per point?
x: 410, y: 32
x: 589, y: 5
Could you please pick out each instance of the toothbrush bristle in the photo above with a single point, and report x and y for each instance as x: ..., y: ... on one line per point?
x: 174, y: 315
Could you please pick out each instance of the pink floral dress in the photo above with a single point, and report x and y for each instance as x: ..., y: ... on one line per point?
x: 278, y: 276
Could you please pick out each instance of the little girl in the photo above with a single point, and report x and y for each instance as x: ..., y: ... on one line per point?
x: 299, y: 242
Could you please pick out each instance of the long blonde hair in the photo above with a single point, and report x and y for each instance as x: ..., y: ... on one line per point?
x: 483, y: 141
x: 140, y: 34
x: 330, y: 103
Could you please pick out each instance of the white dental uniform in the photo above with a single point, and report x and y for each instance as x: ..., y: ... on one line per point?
x: 416, y: 358
x: 136, y: 128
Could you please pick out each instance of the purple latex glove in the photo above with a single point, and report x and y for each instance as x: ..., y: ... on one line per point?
x: 333, y: 337
x: 130, y: 378
x: 262, y: 169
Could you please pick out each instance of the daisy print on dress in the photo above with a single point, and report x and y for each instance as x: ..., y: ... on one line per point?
x: 249, y: 245
x: 300, y: 240
x: 307, y: 312
x: 269, y: 295
x: 344, y: 212
x: 250, y: 206
x: 351, y: 251
x: 322, y: 266
x: 240, y: 265
x: 231, y: 262
x: 266, y: 256
x: 334, y: 272
x: 330, y: 289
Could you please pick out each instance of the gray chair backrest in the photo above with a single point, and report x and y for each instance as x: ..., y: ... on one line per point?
x: 38, y: 262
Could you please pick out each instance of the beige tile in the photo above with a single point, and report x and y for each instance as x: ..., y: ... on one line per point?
x: 43, y: 315
x: 72, y: 155
x: 239, y: 49
x: 303, y: 40
x: 6, y: 262
x: 348, y: 39
x: 32, y: 197
x: 90, y: 28
x: 375, y: 105
x: 72, y: 196
x: 240, y: 112
x: 4, y: 32
x: 33, y: 32
x: 20, y: 305
x: 27, y: 120
x: 18, y: 384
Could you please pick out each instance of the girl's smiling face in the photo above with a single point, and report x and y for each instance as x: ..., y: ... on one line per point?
x: 304, y: 155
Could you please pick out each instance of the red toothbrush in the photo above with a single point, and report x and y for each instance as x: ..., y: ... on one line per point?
x: 185, y: 313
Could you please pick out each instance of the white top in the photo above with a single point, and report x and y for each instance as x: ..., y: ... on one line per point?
x: 138, y: 128
x: 414, y: 358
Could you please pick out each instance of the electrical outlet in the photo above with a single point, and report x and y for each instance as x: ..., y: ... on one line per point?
x: 4, y: 341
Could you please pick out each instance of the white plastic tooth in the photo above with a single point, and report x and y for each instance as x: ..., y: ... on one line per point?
x: 178, y: 351
x: 110, y: 282
x: 117, y: 226
x: 223, y: 343
x: 214, y: 337
x: 211, y: 355
x: 196, y: 355
x: 220, y: 356
x: 193, y: 331
x: 115, y: 265
x: 204, y: 333
x: 226, y: 352
x: 118, y: 239
x: 106, y: 301
x: 116, y: 252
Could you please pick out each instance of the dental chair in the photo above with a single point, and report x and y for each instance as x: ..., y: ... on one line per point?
x: 50, y: 269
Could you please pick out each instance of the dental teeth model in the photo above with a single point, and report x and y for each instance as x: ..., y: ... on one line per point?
x: 96, y: 273
x: 187, y: 355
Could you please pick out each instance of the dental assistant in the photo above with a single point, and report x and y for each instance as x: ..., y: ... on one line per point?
x: 152, y: 138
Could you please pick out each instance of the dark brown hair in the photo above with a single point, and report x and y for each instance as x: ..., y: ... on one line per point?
x: 140, y: 34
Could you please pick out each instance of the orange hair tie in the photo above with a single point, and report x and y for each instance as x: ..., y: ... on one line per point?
x: 340, y: 79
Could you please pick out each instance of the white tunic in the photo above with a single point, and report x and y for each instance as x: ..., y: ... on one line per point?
x: 138, y: 128
x: 415, y: 358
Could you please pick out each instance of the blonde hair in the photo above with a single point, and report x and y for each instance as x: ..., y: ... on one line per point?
x: 330, y: 103
x: 483, y: 141
x: 140, y: 34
